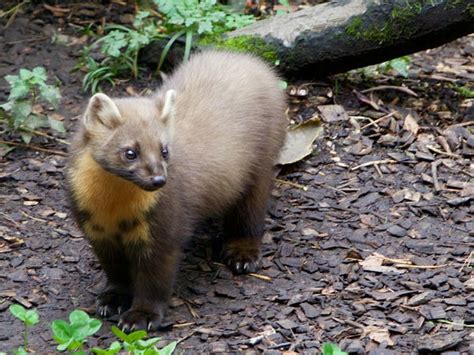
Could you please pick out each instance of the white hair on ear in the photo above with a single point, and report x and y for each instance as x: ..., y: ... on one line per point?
x: 169, y: 105
x: 102, y: 109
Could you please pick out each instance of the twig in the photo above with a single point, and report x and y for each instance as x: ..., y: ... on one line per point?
x: 351, y: 323
x: 261, y: 277
x: 374, y: 122
x: 455, y: 324
x: 444, y: 144
x: 46, y: 135
x: 294, y: 184
x: 33, y: 218
x: 467, y: 262
x: 434, y: 172
x: 182, y: 325
x: 462, y: 124
x: 391, y: 87
x: 452, y: 155
x: 421, y: 266
x: 373, y: 162
x: 33, y: 147
x: 186, y: 337
x: 376, y: 166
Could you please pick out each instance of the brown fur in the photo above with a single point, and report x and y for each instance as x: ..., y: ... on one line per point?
x: 223, y: 133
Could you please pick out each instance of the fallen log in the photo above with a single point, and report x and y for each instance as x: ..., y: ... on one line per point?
x: 342, y: 35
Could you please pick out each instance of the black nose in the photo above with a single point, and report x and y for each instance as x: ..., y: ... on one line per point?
x: 158, y: 181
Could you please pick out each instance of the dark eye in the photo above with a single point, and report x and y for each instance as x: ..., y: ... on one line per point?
x: 164, y: 152
x: 130, y: 154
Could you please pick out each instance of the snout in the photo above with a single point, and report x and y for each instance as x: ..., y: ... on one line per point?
x: 158, y: 181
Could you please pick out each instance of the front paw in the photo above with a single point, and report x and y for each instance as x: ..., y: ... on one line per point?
x: 242, y: 255
x: 137, y: 318
x: 111, y: 302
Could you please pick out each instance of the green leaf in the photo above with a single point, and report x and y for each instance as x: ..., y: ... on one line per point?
x: 139, y: 17
x: 61, y: 331
x: 11, y: 79
x: 4, y: 150
x: 19, y: 90
x: 78, y: 317
x: 19, y: 351
x: 166, y: 48
x: 26, y: 137
x: 26, y: 74
x: 114, y: 348
x: 56, y: 125
x: 144, y: 344
x: 119, y: 333
x: 21, y: 110
x: 168, y: 349
x: 39, y: 75
x: 94, y: 326
x: 136, y: 335
x: 50, y: 94
x: 65, y: 345
x: 7, y: 106
x: 400, y: 66
x: 113, y: 43
x: 18, y: 311
x: 34, y: 122
x: 332, y: 349
x: 31, y: 317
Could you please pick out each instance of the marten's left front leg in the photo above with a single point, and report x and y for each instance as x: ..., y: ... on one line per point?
x: 153, y: 271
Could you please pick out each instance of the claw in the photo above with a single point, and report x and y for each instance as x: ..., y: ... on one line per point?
x: 125, y: 328
x: 246, y: 266
x: 238, y: 266
x: 119, y: 310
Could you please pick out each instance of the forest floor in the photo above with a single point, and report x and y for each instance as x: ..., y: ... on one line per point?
x: 369, y: 241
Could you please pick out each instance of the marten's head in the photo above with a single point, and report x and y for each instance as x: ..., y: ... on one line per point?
x: 130, y: 137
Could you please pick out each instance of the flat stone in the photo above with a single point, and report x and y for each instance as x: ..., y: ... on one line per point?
x: 397, y: 231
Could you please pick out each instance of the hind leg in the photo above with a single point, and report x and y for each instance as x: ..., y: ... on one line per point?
x: 243, y: 227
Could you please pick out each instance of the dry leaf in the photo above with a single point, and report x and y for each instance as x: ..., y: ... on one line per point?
x: 411, y: 125
x: 299, y: 142
x: 374, y: 263
x: 379, y: 335
x: 333, y: 113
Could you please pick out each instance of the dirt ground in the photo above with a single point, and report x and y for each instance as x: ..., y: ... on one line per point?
x: 369, y: 241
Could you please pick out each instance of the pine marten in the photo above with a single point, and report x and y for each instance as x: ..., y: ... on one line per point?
x: 143, y: 171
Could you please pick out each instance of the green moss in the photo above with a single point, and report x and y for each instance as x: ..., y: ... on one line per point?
x: 465, y: 92
x: 247, y: 44
x: 353, y: 29
x: 400, y: 24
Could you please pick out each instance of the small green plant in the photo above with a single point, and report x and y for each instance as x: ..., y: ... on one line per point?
x: 465, y: 92
x: 120, y: 47
x: 332, y: 349
x: 399, y: 65
x: 23, y: 111
x: 197, y: 17
x: 29, y: 318
x: 72, y: 336
x: 135, y: 343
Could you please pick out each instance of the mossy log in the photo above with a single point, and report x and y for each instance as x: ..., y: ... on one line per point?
x: 338, y: 36
x: 345, y: 34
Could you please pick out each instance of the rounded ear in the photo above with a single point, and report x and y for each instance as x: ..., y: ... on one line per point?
x: 102, y: 110
x: 168, y: 111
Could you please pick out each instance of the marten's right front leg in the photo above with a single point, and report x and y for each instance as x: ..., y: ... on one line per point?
x: 117, y: 295
x: 153, y: 272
